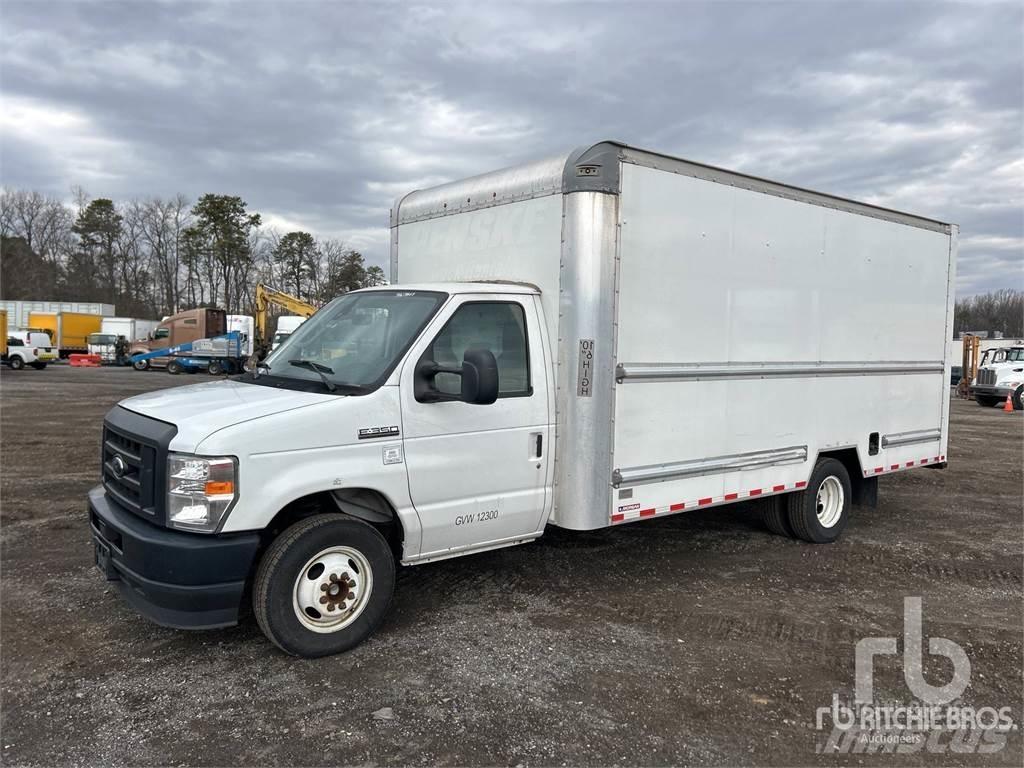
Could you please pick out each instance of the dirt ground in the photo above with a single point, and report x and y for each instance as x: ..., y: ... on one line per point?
x: 697, y: 639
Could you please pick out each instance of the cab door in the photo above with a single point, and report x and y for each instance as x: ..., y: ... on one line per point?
x: 478, y: 474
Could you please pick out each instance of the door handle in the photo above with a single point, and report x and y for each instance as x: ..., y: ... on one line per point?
x: 536, y: 445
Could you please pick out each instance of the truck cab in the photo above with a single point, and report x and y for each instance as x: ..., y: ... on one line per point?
x: 1000, y: 375
x: 177, y: 329
x: 350, y: 414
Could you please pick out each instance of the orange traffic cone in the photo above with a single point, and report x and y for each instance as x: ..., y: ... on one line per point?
x: 1008, y: 405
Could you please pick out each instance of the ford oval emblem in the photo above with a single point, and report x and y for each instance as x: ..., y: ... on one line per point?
x: 118, y: 467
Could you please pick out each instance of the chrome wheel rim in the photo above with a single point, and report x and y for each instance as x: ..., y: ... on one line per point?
x: 332, y: 589
x: 829, y: 502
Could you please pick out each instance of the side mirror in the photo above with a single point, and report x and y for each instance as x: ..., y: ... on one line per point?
x: 479, y: 377
x: 479, y: 374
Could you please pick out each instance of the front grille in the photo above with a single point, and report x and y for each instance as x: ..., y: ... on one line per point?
x: 987, y: 377
x: 128, y: 471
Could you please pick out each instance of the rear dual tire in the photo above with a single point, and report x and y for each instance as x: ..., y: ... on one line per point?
x: 818, y: 514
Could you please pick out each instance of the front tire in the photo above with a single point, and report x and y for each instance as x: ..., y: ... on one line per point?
x: 324, y: 585
x: 141, y: 365
x: 820, y: 513
x: 1018, y: 398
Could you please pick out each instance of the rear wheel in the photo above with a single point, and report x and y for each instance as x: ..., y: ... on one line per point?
x: 38, y: 366
x: 985, y: 401
x: 215, y: 368
x: 775, y: 515
x: 820, y: 513
x: 324, y: 585
x: 17, y: 363
x: 174, y: 367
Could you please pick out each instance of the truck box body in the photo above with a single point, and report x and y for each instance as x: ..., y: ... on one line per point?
x: 714, y: 332
x: 18, y: 309
x: 131, y: 328
x: 69, y: 330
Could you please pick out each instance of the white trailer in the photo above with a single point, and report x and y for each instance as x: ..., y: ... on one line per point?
x: 132, y: 328
x: 18, y: 310
x: 604, y: 337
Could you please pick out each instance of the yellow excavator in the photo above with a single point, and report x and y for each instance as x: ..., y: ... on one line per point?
x: 266, y: 297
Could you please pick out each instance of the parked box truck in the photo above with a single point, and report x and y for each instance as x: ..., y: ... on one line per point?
x: 181, y: 328
x: 132, y: 329
x: 598, y: 339
x: 69, y: 331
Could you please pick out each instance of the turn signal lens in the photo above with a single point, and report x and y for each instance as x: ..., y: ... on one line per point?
x: 217, y: 489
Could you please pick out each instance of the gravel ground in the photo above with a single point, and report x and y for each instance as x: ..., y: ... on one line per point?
x: 698, y: 638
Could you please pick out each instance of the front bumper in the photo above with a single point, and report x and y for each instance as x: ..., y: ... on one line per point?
x: 176, y: 579
x: 994, y: 391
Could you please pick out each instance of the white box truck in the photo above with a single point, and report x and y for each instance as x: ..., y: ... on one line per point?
x: 133, y: 329
x: 604, y: 337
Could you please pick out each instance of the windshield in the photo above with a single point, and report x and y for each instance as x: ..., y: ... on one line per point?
x: 102, y: 338
x: 1012, y: 355
x: 360, y: 337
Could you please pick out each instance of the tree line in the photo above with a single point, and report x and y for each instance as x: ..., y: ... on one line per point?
x: 154, y: 256
x: 1001, y: 310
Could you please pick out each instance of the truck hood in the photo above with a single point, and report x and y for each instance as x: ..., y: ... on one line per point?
x: 200, y: 410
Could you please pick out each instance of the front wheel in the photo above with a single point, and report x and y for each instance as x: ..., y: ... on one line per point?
x: 140, y: 365
x: 820, y: 513
x: 1018, y: 398
x: 324, y: 585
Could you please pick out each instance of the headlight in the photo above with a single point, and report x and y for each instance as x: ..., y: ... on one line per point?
x: 200, y: 490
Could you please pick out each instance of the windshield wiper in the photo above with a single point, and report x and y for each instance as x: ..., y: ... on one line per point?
x: 321, y: 370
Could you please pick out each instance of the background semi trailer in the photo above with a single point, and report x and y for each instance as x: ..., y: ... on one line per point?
x: 69, y: 331
x: 587, y: 341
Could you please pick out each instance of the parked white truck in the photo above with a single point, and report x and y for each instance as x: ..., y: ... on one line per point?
x: 587, y: 341
x: 1000, y: 375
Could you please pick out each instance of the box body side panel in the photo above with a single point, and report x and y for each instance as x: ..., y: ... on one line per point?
x: 755, y: 329
x: 516, y: 242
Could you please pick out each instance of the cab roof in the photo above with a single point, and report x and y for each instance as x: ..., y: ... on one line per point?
x: 461, y: 287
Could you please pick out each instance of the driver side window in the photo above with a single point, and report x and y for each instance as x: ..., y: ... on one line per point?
x: 497, y: 326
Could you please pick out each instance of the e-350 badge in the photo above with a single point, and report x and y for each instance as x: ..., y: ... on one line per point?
x: 373, y: 432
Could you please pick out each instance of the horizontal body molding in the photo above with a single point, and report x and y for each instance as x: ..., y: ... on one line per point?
x: 655, y: 473
x: 638, y: 372
x: 912, y: 438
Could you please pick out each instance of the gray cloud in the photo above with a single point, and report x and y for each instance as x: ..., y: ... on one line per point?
x: 319, y: 114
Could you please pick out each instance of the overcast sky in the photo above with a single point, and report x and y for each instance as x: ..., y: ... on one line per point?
x: 319, y: 114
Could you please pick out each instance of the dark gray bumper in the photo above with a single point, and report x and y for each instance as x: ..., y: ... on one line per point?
x: 176, y: 579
